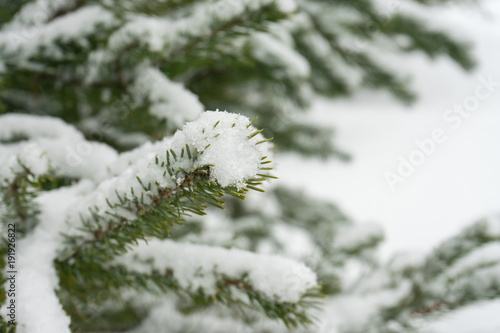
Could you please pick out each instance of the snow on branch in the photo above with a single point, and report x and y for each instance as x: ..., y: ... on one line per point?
x: 18, y: 125
x: 478, y: 234
x: 202, y: 266
x: 42, y: 144
x: 282, y: 59
x: 38, y: 12
x: 462, y: 270
x: 278, y: 287
x: 217, y: 139
x: 17, y: 159
x: 470, y: 266
x: 37, y: 279
x: 358, y: 237
x: 169, y: 100
x: 41, y: 153
x: 26, y: 38
x: 166, y: 314
x: 218, y: 153
x: 159, y: 34
x: 484, y: 256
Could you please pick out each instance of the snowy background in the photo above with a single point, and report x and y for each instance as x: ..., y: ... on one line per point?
x: 456, y: 185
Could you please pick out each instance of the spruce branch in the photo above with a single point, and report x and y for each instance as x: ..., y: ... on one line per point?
x: 459, y: 272
x: 67, y: 9
x: 186, y: 186
x: 168, y: 208
x: 150, y: 209
x: 18, y: 193
x: 244, y: 290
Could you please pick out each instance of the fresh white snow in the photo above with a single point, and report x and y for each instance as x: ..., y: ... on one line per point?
x: 169, y: 100
x: 71, y: 27
x: 200, y: 266
x: 37, y: 279
x: 47, y: 143
x: 222, y: 141
x: 283, y: 61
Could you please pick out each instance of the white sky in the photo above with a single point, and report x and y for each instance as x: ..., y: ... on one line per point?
x: 458, y: 184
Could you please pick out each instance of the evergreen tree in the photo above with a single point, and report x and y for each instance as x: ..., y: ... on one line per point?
x: 104, y: 196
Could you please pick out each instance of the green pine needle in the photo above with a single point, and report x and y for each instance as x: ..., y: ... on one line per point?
x: 251, y: 123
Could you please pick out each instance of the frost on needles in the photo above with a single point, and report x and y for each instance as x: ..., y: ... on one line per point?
x: 92, y: 233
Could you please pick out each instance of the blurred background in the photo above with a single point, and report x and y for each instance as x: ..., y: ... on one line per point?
x: 458, y: 183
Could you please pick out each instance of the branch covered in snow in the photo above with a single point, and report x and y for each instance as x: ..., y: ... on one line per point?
x: 48, y: 145
x: 217, y: 154
x: 220, y: 153
x: 463, y: 270
x: 278, y: 286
